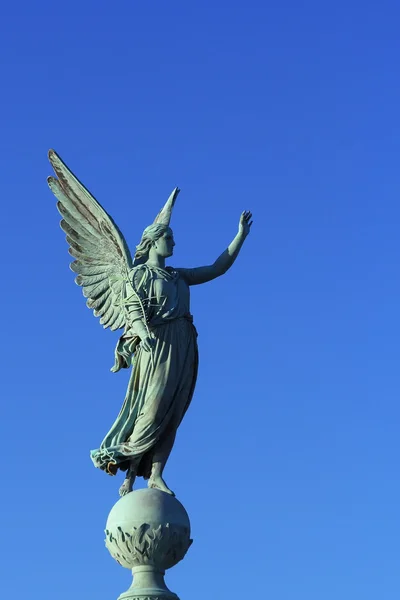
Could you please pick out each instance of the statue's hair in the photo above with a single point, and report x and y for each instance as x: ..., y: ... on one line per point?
x: 151, y: 234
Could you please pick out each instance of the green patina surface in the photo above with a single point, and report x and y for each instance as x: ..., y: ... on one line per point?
x: 150, y: 302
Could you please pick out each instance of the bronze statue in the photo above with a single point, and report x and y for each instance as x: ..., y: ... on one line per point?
x: 150, y: 302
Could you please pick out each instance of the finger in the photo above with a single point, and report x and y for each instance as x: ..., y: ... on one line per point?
x: 251, y: 223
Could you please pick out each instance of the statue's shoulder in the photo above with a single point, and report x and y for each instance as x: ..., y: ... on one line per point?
x: 172, y: 270
x: 181, y: 273
x: 135, y: 271
x: 139, y: 275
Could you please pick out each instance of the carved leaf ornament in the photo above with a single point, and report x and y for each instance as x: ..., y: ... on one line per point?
x: 163, y: 546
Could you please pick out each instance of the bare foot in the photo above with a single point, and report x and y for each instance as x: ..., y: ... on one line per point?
x: 126, y: 487
x: 158, y: 483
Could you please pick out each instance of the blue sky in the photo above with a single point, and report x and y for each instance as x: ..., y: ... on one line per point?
x: 287, y: 460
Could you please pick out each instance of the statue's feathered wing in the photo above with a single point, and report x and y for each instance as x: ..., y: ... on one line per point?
x: 103, y: 260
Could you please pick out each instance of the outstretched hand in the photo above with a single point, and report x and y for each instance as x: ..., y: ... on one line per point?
x: 245, y: 223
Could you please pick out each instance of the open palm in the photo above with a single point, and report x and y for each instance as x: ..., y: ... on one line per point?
x: 245, y: 223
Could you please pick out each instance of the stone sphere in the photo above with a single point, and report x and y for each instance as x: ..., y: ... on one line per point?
x: 147, y: 506
x: 148, y: 527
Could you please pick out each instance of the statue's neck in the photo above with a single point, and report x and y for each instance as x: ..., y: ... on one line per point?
x: 156, y: 261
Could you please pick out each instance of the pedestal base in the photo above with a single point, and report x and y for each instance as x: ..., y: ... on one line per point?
x: 148, y: 531
x: 150, y: 594
x: 148, y: 584
x: 154, y: 595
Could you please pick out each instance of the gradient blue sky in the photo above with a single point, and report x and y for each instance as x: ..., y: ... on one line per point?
x: 287, y: 461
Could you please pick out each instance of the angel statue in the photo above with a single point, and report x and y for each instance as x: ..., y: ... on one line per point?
x: 150, y: 302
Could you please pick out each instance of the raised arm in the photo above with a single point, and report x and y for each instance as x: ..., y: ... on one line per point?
x: 225, y: 260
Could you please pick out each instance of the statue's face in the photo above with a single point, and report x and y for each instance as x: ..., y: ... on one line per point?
x: 164, y: 246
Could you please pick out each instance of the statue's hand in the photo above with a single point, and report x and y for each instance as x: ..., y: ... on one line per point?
x: 245, y: 223
x: 148, y: 343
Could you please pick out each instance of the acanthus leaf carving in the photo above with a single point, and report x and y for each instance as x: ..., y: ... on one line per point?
x: 162, y: 546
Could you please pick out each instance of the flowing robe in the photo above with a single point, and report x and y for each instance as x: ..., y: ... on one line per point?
x: 162, y: 382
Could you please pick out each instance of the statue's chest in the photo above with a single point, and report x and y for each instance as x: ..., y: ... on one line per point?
x: 164, y: 288
x: 170, y: 293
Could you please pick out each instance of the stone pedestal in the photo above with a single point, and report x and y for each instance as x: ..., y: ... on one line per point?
x: 148, y: 531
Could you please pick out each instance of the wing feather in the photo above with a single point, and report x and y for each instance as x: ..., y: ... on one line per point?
x: 88, y: 205
x: 93, y: 260
x: 74, y: 236
x: 119, y: 323
x: 103, y: 260
x: 85, y: 280
x: 100, y: 304
x: 104, y: 307
x: 96, y: 290
x: 111, y: 320
x: 82, y: 269
x: 68, y: 224
x: 108, y: 315
x: 81, y: 246
x: 69, y: 207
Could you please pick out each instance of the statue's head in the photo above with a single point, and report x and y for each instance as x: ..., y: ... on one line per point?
x: 157, y: 238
